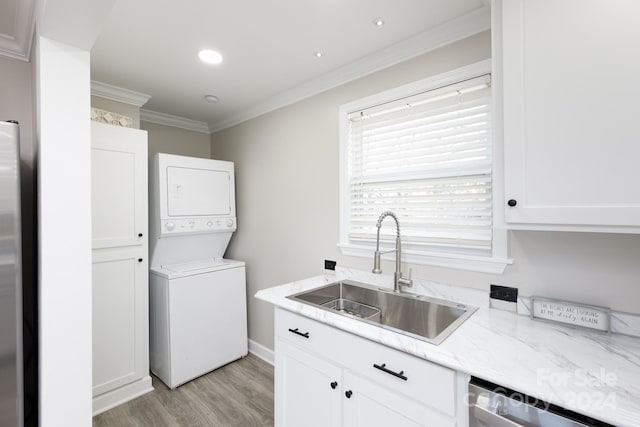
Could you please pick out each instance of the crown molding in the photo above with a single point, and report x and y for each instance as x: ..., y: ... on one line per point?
x: 449, y: 32
x: 18, y: 45
x: 175, y: 121
x: 115, y: 93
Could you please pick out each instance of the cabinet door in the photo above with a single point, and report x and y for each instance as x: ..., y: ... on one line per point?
x: 307, y: 389
x: 569, y: 76
x: 118, y: 185
x: 367, y: 404
x: 120, y: 319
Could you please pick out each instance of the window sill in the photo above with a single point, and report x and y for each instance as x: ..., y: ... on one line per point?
x: 491, y: 265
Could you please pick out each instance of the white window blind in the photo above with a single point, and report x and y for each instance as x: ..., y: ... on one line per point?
x: 428, y: 159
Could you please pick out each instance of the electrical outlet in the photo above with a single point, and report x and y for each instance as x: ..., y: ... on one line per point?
x: 503, y: 298
x: 329, y: 265
x: 504, y: 293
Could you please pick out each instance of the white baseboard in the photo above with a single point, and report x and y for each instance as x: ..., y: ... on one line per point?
x: 123, y: 394
x: 262, y: 352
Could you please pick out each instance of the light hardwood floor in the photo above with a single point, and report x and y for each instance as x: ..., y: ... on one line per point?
x: 239, y: 394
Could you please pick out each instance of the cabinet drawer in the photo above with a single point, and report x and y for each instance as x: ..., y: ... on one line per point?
x: 307, y: 333
x: 414, y: 377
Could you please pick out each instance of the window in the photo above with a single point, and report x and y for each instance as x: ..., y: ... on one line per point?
x: 423, y: 151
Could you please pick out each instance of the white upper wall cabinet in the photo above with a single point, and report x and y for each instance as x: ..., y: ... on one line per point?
x: 119, y: 186
x: 569, y: 73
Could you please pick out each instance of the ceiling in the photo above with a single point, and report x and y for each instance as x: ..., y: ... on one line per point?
x: 151, y: 46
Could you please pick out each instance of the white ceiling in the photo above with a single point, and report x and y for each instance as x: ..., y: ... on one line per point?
x: 151, y: 46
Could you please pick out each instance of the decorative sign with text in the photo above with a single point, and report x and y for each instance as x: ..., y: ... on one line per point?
x: 587, y: 316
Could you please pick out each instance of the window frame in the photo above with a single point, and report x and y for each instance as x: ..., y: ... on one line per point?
x: 498, y: 260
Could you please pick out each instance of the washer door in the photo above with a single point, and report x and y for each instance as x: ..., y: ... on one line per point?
x: 207, y: 321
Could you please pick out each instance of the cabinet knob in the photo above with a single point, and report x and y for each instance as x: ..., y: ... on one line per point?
x: 512, y: 202
x: 139, y: 234
x: 348, y: 393
x: 334, y: 385
x: 139, y: 259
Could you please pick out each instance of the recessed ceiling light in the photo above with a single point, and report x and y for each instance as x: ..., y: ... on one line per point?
x: 210, y: 56
x: 378, y: 22
x: 212, y: 99
x: 317, y: 54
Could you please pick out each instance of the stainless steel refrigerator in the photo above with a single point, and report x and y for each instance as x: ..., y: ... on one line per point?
x: 11, y: 373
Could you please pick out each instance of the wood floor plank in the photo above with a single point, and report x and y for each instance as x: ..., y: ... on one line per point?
x: 239, y: 394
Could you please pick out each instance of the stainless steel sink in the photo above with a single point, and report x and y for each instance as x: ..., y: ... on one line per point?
x: 425, y: 318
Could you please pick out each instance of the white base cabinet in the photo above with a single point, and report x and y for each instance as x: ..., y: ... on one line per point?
x: 372, y: 404
x: 327, y: 377
x: 119, y: 320
x: 312, y: 387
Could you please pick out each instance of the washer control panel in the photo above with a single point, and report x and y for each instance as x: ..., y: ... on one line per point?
x: 198, y: 225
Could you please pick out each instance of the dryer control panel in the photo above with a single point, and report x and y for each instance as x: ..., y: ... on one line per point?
x: 199, y: 225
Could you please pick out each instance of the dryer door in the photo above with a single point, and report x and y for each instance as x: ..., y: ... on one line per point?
x: 198, y: 192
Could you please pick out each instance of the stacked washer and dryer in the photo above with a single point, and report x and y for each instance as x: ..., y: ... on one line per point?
x: 198, y: 315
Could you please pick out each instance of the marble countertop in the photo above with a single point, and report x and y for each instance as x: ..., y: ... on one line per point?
x: 589, y: 372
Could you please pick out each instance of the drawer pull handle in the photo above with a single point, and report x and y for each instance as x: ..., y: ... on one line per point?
x: 334, y: 384
x: 297, y: 332
x: 389, y: 371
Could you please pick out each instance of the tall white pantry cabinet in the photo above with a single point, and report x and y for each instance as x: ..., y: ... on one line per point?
x: 120, y: 265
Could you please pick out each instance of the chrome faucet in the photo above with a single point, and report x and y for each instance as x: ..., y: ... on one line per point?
x: 398, y: 280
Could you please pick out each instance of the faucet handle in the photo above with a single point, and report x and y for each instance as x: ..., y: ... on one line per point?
x: 406, y: 281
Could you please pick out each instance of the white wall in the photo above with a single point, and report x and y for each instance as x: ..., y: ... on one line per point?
x: 64, y: 223
x: 287, y: 203
x: 66, y: 30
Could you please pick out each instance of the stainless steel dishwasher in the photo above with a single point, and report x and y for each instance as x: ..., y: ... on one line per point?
x: 491, y: 405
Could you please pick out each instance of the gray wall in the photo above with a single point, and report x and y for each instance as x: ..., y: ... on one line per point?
x: 172, y: 140
x: 287, y: 206
x: 162, y: 138
x: 16, y: 103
